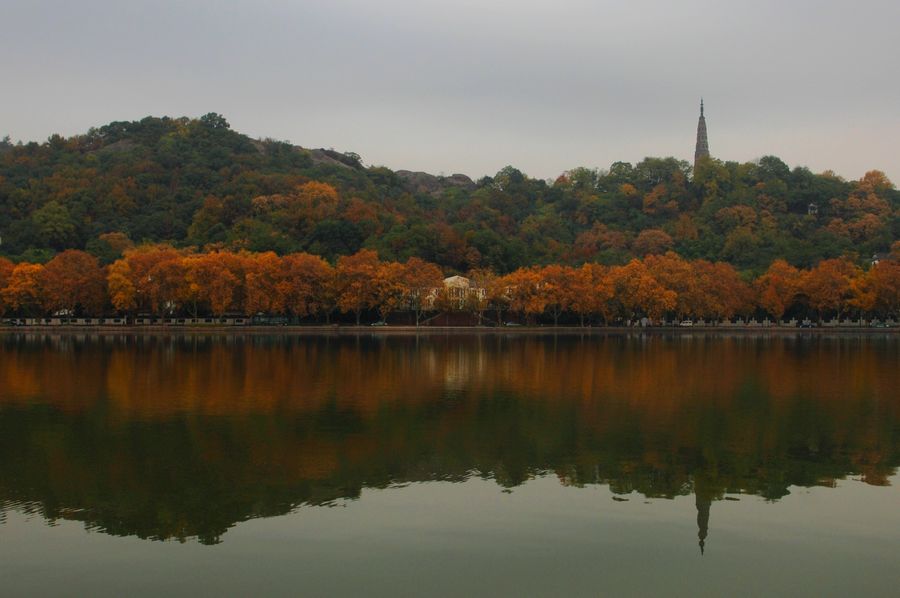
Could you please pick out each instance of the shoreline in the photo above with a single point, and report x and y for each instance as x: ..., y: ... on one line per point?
x: 352, y: 330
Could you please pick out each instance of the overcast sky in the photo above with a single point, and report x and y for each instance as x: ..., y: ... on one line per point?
x: 473, y: 85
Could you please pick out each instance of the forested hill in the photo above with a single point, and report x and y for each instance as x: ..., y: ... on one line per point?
x: 195, y: 182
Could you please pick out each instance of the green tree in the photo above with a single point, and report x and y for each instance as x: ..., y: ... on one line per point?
x: 55, y: 226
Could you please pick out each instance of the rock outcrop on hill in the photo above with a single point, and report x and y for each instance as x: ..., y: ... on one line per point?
x: 422, y: 182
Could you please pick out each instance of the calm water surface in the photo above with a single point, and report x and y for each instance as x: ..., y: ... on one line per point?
x: 492, y: 465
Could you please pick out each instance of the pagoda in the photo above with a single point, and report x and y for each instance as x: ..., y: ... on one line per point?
x: 702, y: 150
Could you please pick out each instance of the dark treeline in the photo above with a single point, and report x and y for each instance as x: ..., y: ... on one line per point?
x: 196, y: 183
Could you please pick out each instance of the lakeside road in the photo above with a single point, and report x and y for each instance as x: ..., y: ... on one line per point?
x: 352, y: 330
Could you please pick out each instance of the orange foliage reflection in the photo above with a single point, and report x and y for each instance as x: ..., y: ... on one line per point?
x: 284, y: 420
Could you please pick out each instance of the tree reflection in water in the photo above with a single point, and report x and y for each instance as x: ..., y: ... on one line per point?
x: 174, y: 437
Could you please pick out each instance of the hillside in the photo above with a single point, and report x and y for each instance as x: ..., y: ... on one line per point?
x: 196, y: 182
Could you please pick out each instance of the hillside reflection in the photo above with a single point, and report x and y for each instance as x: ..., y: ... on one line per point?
x: 184, y: 436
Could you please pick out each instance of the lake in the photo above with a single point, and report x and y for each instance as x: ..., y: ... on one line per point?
x: 499, y: 464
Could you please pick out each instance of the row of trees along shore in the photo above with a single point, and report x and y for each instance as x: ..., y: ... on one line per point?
x: 162, y: 280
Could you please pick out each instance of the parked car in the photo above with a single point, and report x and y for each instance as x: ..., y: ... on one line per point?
x: 807, y: 324
x: 686, y: 323
x: 512, y: 324
x: 379, y: 323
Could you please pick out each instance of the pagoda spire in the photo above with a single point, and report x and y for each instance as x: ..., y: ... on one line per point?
x: 702, y: 149
x: 703, y: 505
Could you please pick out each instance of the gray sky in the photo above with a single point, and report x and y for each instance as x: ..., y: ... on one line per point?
x: 473, y: 85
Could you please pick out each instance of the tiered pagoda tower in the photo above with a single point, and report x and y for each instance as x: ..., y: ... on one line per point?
x: 702, y: 150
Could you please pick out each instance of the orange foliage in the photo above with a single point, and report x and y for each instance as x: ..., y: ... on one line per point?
x: 354, y: 276
x: 71, y: 279
x: 628, y: 189
x: 163, y: 280
x: 638, y: 292
x: 388, y: 287
x: 736, y: 216
x: 306, y: 286
x: 360, y: 212
x: 828, y: 286
x: 777, y: 289
x: 727, y: 293
x: 652, y: 241
x: 6, y: 268
x: 655, y: 201
x: 591, y: 292
x: 883, y: 282
x: 590, y: 242
x: 263, y: 274
x: 557, y: 290
x: 525, y: 293
x: 122, y: 292
x: 156, y: 278
x: 417, y: 279
x: 685, y: 229
x: 677, y: 274
x: 212, y: 279
x: 317, y: 200
x: 23, y: 290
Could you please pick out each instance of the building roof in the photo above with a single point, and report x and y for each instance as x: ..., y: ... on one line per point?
x: 459, y: 282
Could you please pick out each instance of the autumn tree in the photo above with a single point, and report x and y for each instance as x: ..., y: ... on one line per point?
x: 6, y: 268
x: 108, y: 247
x: 525, y: 293
x: 390, y: 292
x: 23, y: 292
x: 307, y: 285
x: 263, y: 274
x: 118, y: 242
x: 309, y: 203
x: 555, y: 284
x: 156, y: 274
x: 71, y: 280
x: 317, y: 200
x: 497, y: 293
x: 212, y: 279
x: 883, y: 284
x: 167, y: 286
x: 828, y: 286
x: 677, y: 275
x: 478, y: 300
x: 863, y: 296
x: 591, y: 292
x: 418, y: 280
x: 120, y: 286
x: 637, y: 292
x: 776, y: 290
x: 652, y: 241
x: 599, y: 238
x: 355, y: 278
x: 724, y: 293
